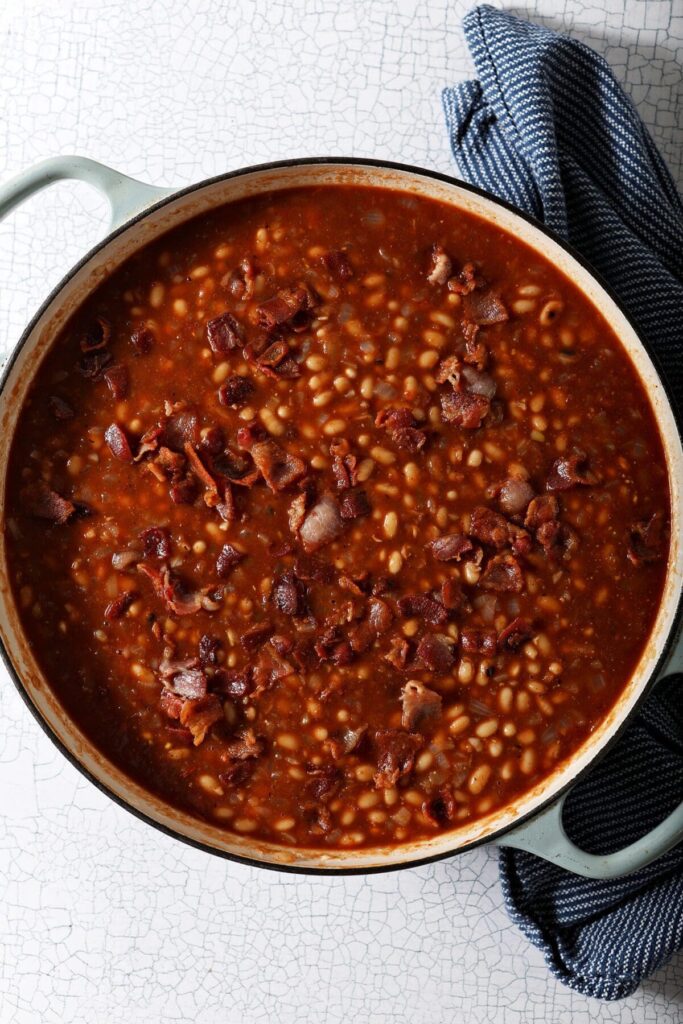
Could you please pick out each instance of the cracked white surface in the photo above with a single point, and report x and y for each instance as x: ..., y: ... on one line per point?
x: 102, y: 919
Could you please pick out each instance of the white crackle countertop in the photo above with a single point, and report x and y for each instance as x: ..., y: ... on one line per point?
x: 102, y: 919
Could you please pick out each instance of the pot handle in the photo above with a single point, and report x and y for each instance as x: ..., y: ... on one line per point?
x: 544, y: 834
x: 126, y: 196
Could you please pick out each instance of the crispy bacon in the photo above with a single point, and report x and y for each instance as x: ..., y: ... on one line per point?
x: 354, y: 504
x: 278, y: 467
x: 398, y: 653
x: 142, y: 341
x: 569, y: 471
x: 199, y: 715
x: 289, y: 307
x: 212, y: 497
x: 395, y: 750
x: 377, y: 621
x: 338, y: 264
x: 236, y: 391
x: 452, y: 547
x: 324, y: 783
x: 484, y: 308
x: 466, y: 281
x: 234, y: 683
x: 92, y: 364
x: 171, y: 590
x: 489, y: 527
x: 120, y: 605
x: 256, y: 636
x: 401, y: 426
x: 464, y: 410
x: 288, y: 595
x: 118, y: 443
x: 478, y: 641
x: 190, y: 683
x: 435, y: 651
x: 440, y: 809
x: 515, y: 634
x: 503, y: 573
x: 156, y: 542
x: 224, y: 334
x: 441, y: 266
x: 228, y: 558
x: 424, y: 607
x: 39, y: 500
x: 116, y: 378
x: 646, y: 540
x: 542, y: 520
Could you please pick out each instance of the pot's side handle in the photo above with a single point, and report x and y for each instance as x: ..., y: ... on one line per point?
x: 126, y: 196
x: 544, y: 835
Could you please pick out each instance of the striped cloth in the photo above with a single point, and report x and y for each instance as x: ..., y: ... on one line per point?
x: 548, y: 128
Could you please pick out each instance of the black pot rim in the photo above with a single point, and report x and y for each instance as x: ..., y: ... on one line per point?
x: 415, y: 862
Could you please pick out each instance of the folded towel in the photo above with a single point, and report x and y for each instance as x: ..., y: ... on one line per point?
x: 548, y: 128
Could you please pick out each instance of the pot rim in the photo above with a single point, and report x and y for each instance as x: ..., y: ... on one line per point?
x: 677, y: 618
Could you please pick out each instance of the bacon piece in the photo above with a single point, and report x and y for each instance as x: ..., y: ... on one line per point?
x: 569, y: 471
x: 245, y: 745
x: 190, y: 683
x: 60, y: 409
x: 463, y: 409
x: 236, y: 391
x: 478, y: 641
x: 515, y: 634
x: 542, y: 520
x: 451, y: 594
x: 120, y: 605
x: 503, y: 573
x: 118, y: 443
x: 256, y: 636
x: 116, y: 377
x: 484, y: 308
x: 401, y: 427
x: 209, y: 649
x: 440, y: 809
x: 278, y: 467
x: 228, y: 558
x: 97, y: 335
x: 377, y: 621
x: 288, y: 595
x: 395, y: 751
x: 322, y: 524
x: 92, y: 364
x: 234, y: 683
x: 268, y: 669
x: 142, y: 341
x: 39, y: 500
x: 489, y: 527
x: 466, y: 281
x: 420, y: 706
x: 199, y: 715
x: 297, y: 512
x: 337, y: 262
x: 180, y: 428
x: 513, y: 496
x: 235, y: 467
x: 171, y: 704
x: 171, y: 590
x: 344, y: 464
x: 399, y: 652
x: 423, y: 606
x: 224, y: 334
x: 155, y: 542
x: 286, y: 308
x: 451, y: 548
x: 149, y: 442
x: 448, y: 371
x: 436, y: 653
x: 183, y: 491
x: 476, y: 353
x: 324, y: 783
x: 441, y: 266
x: 646, y: 540
x: 354, y: 504
x: 212, y: 496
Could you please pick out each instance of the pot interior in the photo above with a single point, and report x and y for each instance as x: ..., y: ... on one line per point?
x: 109, y: 256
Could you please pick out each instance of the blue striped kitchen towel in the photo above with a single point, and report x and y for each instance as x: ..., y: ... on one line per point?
x: 548, y: 128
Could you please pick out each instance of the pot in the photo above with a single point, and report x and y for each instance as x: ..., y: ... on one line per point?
x: 533, y: 821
